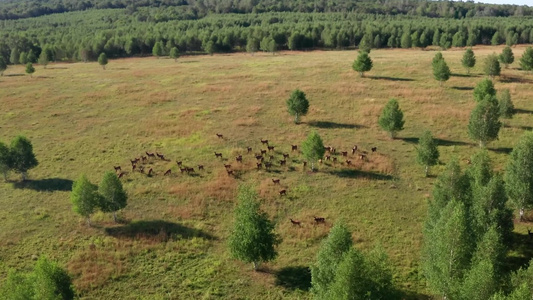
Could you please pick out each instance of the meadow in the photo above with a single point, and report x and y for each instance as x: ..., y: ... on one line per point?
x: 170, y: 243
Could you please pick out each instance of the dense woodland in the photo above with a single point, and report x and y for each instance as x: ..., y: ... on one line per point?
x: 197, y: 26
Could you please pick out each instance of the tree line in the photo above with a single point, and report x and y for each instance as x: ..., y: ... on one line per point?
x: 82, y: 36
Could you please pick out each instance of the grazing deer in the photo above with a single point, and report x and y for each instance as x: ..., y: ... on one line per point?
x: 297, y: 223
x: 117, y: 168
x: 150, y: 172
x: 144, y: 159
x: 218, y: 154
x: 354, y: 149
x: 220, y: 136
x: 282, y: 162
x: 348, y: 162
x: 362, y: 156
x: 268, y: 165
x: 327, y: 157
x: 168, y: 172
x: 259, y: 165
x: 275, y: 181
x: 294, y: 147
x: 161, y: 156
x: 264, y: 142
x: 133, y: 167
x: 183, y: 170
x: 334, y: 159
x: 238, y: 158
x: 190, y: 170
x: 327, y: 148
x: 259, y: 157
x: 285, y: 155
x: 121, y: 174
x: 179, y: 163
x: 530, y: 233
x: 304, y: 164
x: 150, y: 154
x: 230, y: 172
x: 134, y: 161
x: 374, y: 149
x: 200, y: 167
x: 263, y: 151
x: 227, y: 166
x: 141, y: 169
x: 249, y: 149
x: 283, y: 193
x: 319, y: 220
x: 270, y: 148
x: 344, y: 153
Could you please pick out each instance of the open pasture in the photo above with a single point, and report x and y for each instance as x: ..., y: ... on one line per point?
x: 171, y: 240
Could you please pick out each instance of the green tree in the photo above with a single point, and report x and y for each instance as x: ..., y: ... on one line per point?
x: 43, y: 59
x: 6, y: 162
x: 15, y: 56
x: 469, y: 60
x: 22, y: 156
x: 252, y: 239
x: 17, y: 287
x: 31, y: 56
x: 330, y: 254
x: 518, y: 175
x: 313, y: 148
x: 391, y: 118
x: 526, y: 61
x: 102, y: 60
x: 3, y: 66
x: 51, y: 282
x: 484, y: 124
x: 441, y: 71
x: 506, y: 105
x: 406, y: 40
x: 157, y: 50
x: 174, y: 53
x: 437, y: 59
x: 84, y: 198
x: 506, y: 57
x: 483, y: 89
x: 209, y: 47
x: 298, y: 105
x: 362, y: 64
x: 114, y: 197
x: 23, y: 59
x: 496, y: 39
x: 492, y: 66
x: 427, y: 151
x: 30, y: 69
x: 252, y: 45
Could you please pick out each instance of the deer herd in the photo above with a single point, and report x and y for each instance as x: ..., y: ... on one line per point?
x: 265, y: 158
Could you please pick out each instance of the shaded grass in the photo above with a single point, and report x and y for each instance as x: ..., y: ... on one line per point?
x: 49, y: 185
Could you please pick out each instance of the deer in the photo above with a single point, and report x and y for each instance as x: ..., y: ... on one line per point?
x: 283, y: 193
x: 218, y: 154
x: 530, y: 233
x: 294, y: 147
x: 259, y: 157
x: 220, y: 136
x: 168, y: 172
x: 327, y: 157
x: 117, y: 168
x: 348, y: 162
x: 150, y: 154
x: 268, y: 165
x: 150, y: 172
x: 227, y: 166
x: 362, y: 156
x: 238, y: 158
x: 354, y: 149
x: 200, y: 167
x: 275, y: 181
x: 319, y: 220
x: 161, y: 156
x: 248, y: 149
x: 282, y: 162
x: 134, y: 161
x: 285, y: 155
x: 270, y: 148
x: 264, y: 142
x: 183, y: 170
x: 121, y: 174
x: 133, y: 167
x: 344, y: 153
x: 374, y: 149
x: 263, y: 151
x: 141, y: 169
x: 179, y: 163
x: 297, y: 223
x: 144, y: 159
x: 259, y: 165
x: 230, y: 172
x: 190, y: 170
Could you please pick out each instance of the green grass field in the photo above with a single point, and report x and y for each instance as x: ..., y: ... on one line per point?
x: 171, y: 243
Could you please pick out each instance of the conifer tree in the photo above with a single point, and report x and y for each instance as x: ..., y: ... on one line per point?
x: 313, y: 148
x: 114, y: 197
x: 506, y: 57
x: 391, y: 118
x: 518, y: 175
x: 362, y: 64
x: 484, y: 124
x: 427, y: 151
x: 469, y: 60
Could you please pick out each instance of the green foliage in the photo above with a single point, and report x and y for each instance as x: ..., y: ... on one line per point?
x: 22, y: 155
x: 496, y: 39
x: 114, y: 197
x: 362, y: 64
x: 427, y: 153
x: 506, y: 105
x: 23, y: 59
x: 157, y: 50
x: 391, y: 118
x: 483, y: 89
x: 31, y: 56
x: 518, y: 175
x: 17, y: 287
x: 313, y: 148
x: 30, y: 69
x: 102, y: 60
x: 526, y: 61
x: 480, y: 282
x: 51, y: 282
x: 297, y: 105
x: 84, y: 197
x: 366, y: 44
x: 252, y: 239
x: 406, y: 41
x: 469, y: 60
x: 506, y: 57
x: 441, y: 71
x: 43, y: 59
x: 6, y: 162
x: 492, y: 66
x: 3, y: 66
x: 15, y: 56
x: 174, y: 53
x: 437, y: 59
x: 252, y: 45
x: 331, y: 253
x: 484, y: 124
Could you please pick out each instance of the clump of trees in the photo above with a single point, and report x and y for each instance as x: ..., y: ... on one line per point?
x: 109, y: 196
x: 297, y: 105
x: 47, y: 281
x: 391, y: 118
x: 343, y: 272
x: 363, y: 63
x: 17, y: 157
x: 252, y: 239
x: 518, y: 175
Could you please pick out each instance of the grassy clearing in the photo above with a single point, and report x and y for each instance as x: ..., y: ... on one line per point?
x: 82, y: 119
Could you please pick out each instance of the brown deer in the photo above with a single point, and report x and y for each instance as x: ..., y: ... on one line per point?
x: 150, y: 172
x: 285, y: 155
x: 249, y: 149
x: 117, y: 168
x: 168, y: 172
x: 190, y: 170
x: 294, y: 147
x: 161, y: 156
x: 374, y: 149
x: 144, y: 159
x: 179, y: 163
x: 259, y: 157
x: 218, y: 154
x: 238, y: 158
x: 227, y: 166
x: 268, y: 165
x: 200, y: 167
x: 348, y: 162
x: 230, y: 172
x: 121, y: 174
x: 264, y: 142
x: 362, y: 157
x: 134, y: 161
x: 220, y: 136
x: 183, y: 170
x: 141, y: 169
x: 259, y: 165
x: 283, y: 193
x: 344, y: 153
x: 263, y: 151
x: 282, y: 162
x: 270, y: 148
x: 133, y: 167
x: 304, y: 164
x: 297, y: 223
x: 150, y: 154
x: 334, y: 159
x: 275, y: 181
x: 319, y: 220
x: 327, y: 157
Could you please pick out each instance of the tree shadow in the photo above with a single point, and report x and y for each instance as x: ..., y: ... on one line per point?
x: 56, y: 68
x: 13, y: 75
x: 523, y: 248
x: 440, y: 142
x: 519, y: 127
x: 390, y: 78
x: 514, y: 79
x: 334, y: 125
x: 156, y: 228
x: 505, y: 150
x: 523, y: 111
x: 46, y: 185
x: 463, y: 75
x: 353, y: 173
x: 462, y: 88
x: 294, y: 278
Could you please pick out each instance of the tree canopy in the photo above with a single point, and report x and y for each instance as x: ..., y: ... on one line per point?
x: 362, y: 64
x: 427, y: 151
x: 297, y: 105
x: 469, y: 60
x: 313, y: 148
x: 391, y: 118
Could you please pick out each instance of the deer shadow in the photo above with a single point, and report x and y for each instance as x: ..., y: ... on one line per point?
x: 294, y: 278
x: 440, y: 142
x: 390, y: 78
x: 45, y: 185
x: 334, y: 125
x: 353, y: 173
x: 156, y: 228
